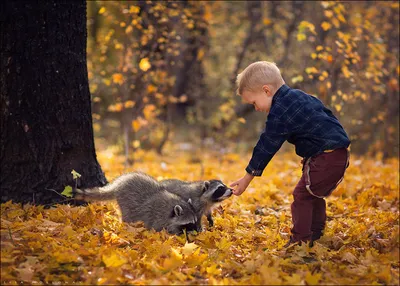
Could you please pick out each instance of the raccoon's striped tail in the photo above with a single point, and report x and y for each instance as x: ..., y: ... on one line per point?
x: 95, y: 194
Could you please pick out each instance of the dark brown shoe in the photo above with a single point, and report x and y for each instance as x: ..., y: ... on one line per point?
x: 291, y: 242
x: 314, y: 238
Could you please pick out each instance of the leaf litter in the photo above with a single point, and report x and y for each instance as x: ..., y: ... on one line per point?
x: 90, y: 244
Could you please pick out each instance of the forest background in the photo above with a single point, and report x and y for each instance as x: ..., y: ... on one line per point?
x: 158, y: 69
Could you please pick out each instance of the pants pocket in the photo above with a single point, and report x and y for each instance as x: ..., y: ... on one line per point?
x: 323, y: 173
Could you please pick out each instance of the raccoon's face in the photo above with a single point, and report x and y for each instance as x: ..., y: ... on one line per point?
x: 182, y: 215
x: 216, y: 191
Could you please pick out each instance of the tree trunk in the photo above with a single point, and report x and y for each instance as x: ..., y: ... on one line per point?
x: 45, y: 111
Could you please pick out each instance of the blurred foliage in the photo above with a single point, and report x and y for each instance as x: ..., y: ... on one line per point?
x: 159, y: 69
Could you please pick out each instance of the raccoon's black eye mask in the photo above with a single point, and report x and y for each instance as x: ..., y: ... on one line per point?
x: 219, y: 192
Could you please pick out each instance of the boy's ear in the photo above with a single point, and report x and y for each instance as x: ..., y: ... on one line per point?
x: 266, y: 89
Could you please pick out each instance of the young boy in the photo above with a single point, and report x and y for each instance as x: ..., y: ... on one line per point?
x: 319, y: 138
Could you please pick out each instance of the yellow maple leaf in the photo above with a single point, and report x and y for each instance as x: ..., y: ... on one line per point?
x: 115, y: 107
x: 295, y: 279
x: 183, y: 98
x: 326, y: 26
x: 128, y: 29
x: 151, y: 88
x: 346, y: 71
x: 266, y: 21
x: 149, y: 111
x: 282, y: 217
x: 118, y: 78
x: 196, y: 258
x: 298, y: 78
x: 313, y: 279
x: 174, y: 261
x: 68, y: 256
x: 134, y: 9
x: 329, y: 85
x: 336, y: 22
x: 129, y: 104
x: 69, y: 231
x: 301, y: 37
x: 118, y: 46
x: 311, y: 70
x: 200, y: 54
x: 328, y: 13
x: 189, y: 248
x: 136, y: 125
x: 223, y: 244
x: 113, y: 259
x: 136, y: 144
x: 213, y: 269
x: 269, y: 275
x: 341, y: 18
x: 144, y: 64
x: 242, y: 120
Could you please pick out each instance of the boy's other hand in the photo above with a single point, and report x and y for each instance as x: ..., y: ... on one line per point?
x: 240, y: 185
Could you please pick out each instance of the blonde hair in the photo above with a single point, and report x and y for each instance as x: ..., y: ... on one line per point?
x: 258, y: 74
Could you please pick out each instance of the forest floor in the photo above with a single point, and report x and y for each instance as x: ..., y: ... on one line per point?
x: 89, y: 245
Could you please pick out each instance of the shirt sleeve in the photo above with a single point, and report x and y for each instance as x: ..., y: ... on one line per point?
x: 268, y: 144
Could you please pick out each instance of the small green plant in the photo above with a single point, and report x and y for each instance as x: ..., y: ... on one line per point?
x: 68, y: 189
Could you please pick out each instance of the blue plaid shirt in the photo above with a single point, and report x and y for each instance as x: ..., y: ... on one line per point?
x: 302, y: 120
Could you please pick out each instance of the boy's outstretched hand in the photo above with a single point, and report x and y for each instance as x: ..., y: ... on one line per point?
x: 240, y: 185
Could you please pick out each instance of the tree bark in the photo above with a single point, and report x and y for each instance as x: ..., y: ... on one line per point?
x: 45, y: 111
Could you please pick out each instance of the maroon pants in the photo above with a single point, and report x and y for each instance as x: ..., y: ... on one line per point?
x: 321, y: 175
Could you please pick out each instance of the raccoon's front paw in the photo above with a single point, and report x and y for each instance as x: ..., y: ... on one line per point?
x: 210, y: 220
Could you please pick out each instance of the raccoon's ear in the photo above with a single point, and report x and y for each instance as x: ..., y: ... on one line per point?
x: 206, y: 185
x: 178, y: 211
x: 190, y: 202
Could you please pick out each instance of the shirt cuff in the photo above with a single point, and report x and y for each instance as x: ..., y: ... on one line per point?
x: 254, y: 172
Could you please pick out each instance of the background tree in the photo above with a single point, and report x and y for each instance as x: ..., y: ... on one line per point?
x: 139, y: 69
x: 170, y: 67
x: 354, y: 69
x: 46, y: 121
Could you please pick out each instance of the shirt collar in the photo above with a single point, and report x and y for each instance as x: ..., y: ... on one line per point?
x: 281, y: 91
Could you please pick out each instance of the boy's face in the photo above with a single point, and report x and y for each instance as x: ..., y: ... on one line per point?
x: 261, y: 99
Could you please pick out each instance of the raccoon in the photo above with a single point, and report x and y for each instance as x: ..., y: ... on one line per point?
x: 203, y: 194
x: 141, y: 198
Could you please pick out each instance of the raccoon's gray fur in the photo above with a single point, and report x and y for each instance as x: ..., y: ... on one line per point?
x: 141, y: 198
x: 204, y: 195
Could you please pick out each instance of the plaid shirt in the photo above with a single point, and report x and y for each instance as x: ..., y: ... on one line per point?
x: 302, y: 120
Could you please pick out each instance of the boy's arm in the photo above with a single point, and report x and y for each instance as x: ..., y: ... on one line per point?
x: 266, y: 147
x: 268, y: 144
